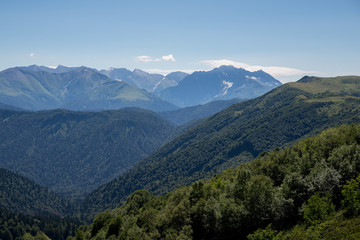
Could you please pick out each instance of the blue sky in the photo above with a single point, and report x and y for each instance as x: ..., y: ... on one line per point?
x: 288, y: 39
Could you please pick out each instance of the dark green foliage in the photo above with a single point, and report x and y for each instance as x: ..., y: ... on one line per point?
x: 243, y: 131
x: 22, y: 195
x: 73, y: 152
x: 99, y: 222
x: 197, y: 193
x: 280, y: 188
x: 351, y: 193
x: 318, y: 209
x: 263, y: 234
x: 114, y: 227
x: 14, y: 226
x: 137, y: 200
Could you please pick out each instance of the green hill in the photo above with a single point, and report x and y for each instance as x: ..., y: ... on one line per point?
x: 307, y: 191
x: 236, y: 135
x: 20, y: 226
x: 22, y: 195
x: 73, y: 152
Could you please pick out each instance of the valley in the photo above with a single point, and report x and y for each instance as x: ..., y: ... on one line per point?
x: 74, y: 152
x: 199, y: 172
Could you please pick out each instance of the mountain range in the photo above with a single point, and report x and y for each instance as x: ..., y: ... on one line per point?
x: 74, y: 89
x: 58, y: 69
x: 236, y: 135
x: 223, y: 83
x: 138, y: 78
x: 86, y: 89
x: 153, y: 83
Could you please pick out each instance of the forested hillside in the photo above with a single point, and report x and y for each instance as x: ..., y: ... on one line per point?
x: 236, y: 135
x: 19, y: 226
x: 73, y: 152
x: 312, y: 183
x: 29, y: 211
x: 22, y: 195
x: 185, y: 115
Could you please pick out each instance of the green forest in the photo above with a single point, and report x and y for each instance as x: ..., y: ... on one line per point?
x: 236, y: 135
x: 300, y: 192
x: 19, y: 226
x: 74, y: 152
x: 22, y: 195
x: 285, y: 165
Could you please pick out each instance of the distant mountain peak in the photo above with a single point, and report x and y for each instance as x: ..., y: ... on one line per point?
x: 222, y: 83
x: 151, y: 82
x: 306, y: 79
x: 226, y: 67
x: 136, y: 70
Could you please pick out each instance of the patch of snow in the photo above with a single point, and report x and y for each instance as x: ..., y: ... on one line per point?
x: 158, y: 83
x: 259, y: 81
x: 227, y: 85
x: 253, y: 78
x: 263, y: 83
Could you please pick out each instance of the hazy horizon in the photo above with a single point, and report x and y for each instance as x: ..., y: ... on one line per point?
x: 285, y: 39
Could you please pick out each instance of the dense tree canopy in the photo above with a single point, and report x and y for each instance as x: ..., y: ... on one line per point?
x: 73, y: 152
x: 300, y: 184
x: 237, y: 135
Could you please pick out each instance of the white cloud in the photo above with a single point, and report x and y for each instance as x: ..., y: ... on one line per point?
x: 168, y: 58
x: 278, y: 72
x: 32, y: 55
x: 283, y: 74
x: 144, y: 59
